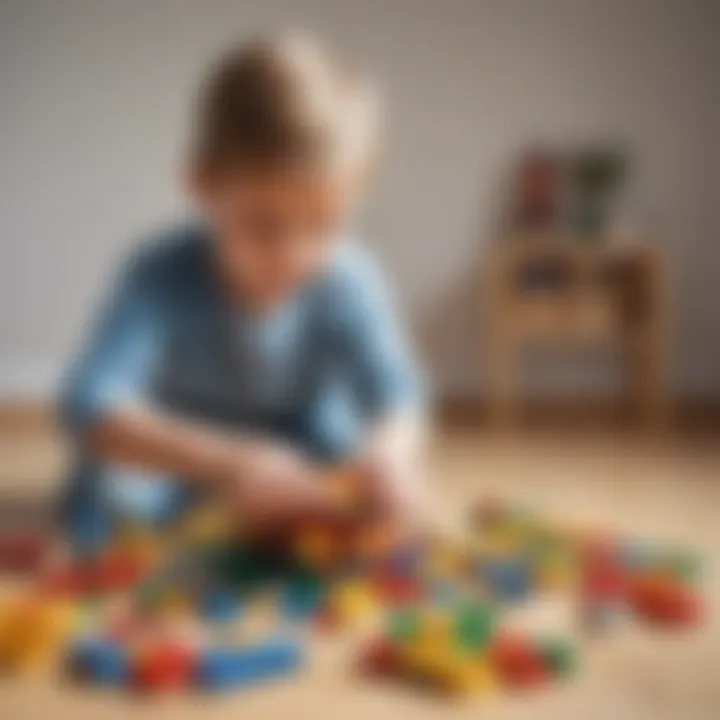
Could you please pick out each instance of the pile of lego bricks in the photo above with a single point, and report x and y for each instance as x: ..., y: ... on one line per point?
x: 167, y: 609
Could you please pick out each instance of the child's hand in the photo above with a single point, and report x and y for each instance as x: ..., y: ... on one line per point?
x: 271, y: 484
x: 392, y: 493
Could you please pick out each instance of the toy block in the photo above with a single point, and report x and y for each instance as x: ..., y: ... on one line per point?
x: 445, y: 560
x: 104, y: 574
x: 164, y: 667
x: 353, y: 601
x: 33, y: 630
x: 220, y: 606
x: 21, y: 552
x: 436, y: 627
x: 381, y: 658
x: 681, y: 565
x: 395, y: 589
x: 303, y: 595
x: 99, y: 661
x: 406, y: 560
x: 517, y: 662
x: 404, y: 626
x: 446, y: 670
x: 474, y: 625
x: 141, y: 543
x: 226, y: 668
x: 666, y: 603
x: 559, y: 655
x: 508, y: 578
x: 555, y: 572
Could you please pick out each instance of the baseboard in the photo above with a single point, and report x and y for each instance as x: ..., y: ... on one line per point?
x: 689, y: 414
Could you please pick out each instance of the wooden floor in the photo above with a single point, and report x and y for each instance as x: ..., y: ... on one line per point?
x: 663, y: 488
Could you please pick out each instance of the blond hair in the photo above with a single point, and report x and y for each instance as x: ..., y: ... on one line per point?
x: 283, y: 102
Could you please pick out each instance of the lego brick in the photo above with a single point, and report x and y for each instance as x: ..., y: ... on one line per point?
x: 220, y: 606
x: 226, y: 668
x: 517, y: 662
x: 100, y: 661
x: 164, y: 667
x: 559, y: 655
x: 33, y: 630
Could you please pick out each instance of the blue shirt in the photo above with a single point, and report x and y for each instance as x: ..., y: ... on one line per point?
x: 314, y: 371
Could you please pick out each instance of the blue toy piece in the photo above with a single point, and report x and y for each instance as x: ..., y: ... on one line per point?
x: 508, y: 578
x: 220, y: 606
x: 100, y: 661
x: 302, y: 597
x: 637, y: 556
x: 406, y: 560
x: 234, y: 667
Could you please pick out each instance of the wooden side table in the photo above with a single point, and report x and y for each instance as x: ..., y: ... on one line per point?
x: 573, y: 291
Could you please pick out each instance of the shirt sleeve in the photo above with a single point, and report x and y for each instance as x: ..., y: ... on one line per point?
x: 376, y: 350
x: 119, y: 359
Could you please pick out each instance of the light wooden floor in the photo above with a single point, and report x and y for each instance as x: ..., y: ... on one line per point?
x: 665, y: 489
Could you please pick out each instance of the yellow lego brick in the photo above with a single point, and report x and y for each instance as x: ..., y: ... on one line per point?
x: 354, y: 601
x: 447, y: 669
x: 435, y: 626
x: 33, y: 630
x: 555, y: 574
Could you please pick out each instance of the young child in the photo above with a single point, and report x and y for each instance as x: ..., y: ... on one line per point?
x: 242, y: 352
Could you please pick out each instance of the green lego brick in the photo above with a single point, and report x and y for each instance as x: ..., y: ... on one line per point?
x: 474, y: 625
x: 403, y: 625
x: 559, y: 654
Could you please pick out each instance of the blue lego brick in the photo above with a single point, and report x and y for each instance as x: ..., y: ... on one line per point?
x: 406, y: 560
x: 301, y: 598
x: 100, y: 661
x: 508, y: 578
x: 220, y: 606
x: 226, y: 668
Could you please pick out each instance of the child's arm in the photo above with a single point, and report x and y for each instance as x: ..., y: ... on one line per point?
x: 388, y: 385
x: 106, y: 405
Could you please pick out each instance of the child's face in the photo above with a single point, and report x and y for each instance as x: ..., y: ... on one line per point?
x: 275, y: 228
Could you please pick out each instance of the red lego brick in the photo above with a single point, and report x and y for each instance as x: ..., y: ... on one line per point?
x: 381, y: 659
x: 21, y: 551
x: 518, y: 662
x: 666, y: 603
x: 165, y: 667
x: 396, y: 589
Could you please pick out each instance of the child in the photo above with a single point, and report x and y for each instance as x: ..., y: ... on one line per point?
x: 242, y: 352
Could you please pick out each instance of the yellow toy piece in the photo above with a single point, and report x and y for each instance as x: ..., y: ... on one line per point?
x: 446, y: 560
x: 141, y: 542
x: 435, y: 628
x: 555, y: 572
x: 447, y: 669
x: 32, y: 631
x: 353, y: 602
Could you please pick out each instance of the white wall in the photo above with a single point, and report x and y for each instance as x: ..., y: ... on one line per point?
x: 93, y: 95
